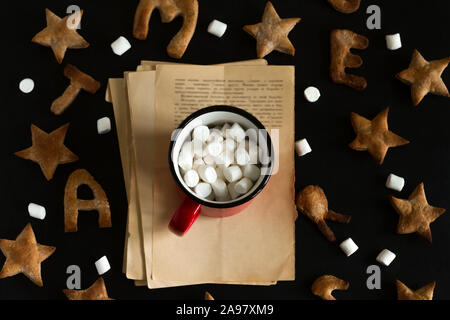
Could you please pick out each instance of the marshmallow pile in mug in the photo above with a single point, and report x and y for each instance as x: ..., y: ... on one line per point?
x: 220, y: 163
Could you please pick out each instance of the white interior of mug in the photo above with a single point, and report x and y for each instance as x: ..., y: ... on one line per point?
x: 212, y: 119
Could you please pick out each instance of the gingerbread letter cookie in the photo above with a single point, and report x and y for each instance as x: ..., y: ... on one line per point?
x: 72, y: 204
x: 345, y: 6
x: 326, y: 284
x: 169, y: 10
x: 341, y: 57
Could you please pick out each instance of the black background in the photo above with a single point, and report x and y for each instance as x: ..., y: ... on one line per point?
x: 352, y: 180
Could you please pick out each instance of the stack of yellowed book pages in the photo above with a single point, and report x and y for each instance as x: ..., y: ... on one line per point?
x: 254, y: 247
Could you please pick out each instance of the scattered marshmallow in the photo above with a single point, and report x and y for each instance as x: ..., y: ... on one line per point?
x: 36, y: 211
x: 203, y: 189
x: 232, y: 173
x: 393, y: 41
x: 243, y: 185
x: 348, y: 246
x: 220, y: 190
x: 395, y: 182
x: 103, y: 125
x: 217, y: 28
x: 102, y: 265
x: 386, y: 257
x: 191, y: 178
x: 302, y: 147
x: 232, y: 190
x: 252, y: 172
x: 120, y: 46
x: 312, y: 94
x: 26, y: 85
x: 201, y: 133
x: 207, y: 173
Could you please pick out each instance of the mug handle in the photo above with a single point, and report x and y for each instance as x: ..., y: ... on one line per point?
x: 185, y: 216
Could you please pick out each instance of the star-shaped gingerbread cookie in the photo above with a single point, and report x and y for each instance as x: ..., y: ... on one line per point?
x: 374, y: 136
x: 272, y: 33
x: 48, y: 150
x: 60, y: 34
x: 424, y: 77
x: 424, y: 293
x: 416, y: 214
x: 24, y: 255
x: 97, y: 291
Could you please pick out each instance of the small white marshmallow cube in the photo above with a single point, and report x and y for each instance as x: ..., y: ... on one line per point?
x: 103, y: 125
x: 252, y: 172
x: 232, y: 173
x: 207, y: 173
x: 232, y: 190
x: 395, y: 182
x: 185, y: 161
x: 219, y: 171
x: 26, y: 85
x: 229, y: 145
x: 226, y: 158
x: 120, y: 46
x: 201, y: 133
x: 225, y: 129
x: 203, y: 189
x: 302, y: 147
x: 214, y: 148
x: 236, y: 132
x: 386, y: 257
x: 312, y: 94
x: 102, y: 265
x: 36, y: 211
x: 393, y: 41
x: 220, y: 190
x: 217, y: 28
x: 348, y: 246
x: 243, y: 185
x: 191, y: 178
x: 242, y: 157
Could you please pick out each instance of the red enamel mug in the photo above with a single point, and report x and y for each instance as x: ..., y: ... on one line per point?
x: 192, y: 205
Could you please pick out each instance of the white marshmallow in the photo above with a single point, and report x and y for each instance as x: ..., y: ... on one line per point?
x: 102, y: 265
x: 395, y: 182
x: 348, y: 246
x: 203, y: 189
x: 187, y: 149
x: 386, y: 257
x: 232, y: 190
x: 191, y: 178
x: 201, y: 133
x: 120, y: 46
x: 226, y: 158
x: 242, y: 157
x: 229, y: 145
x: 185, y: 161
x: 252, y: 172
x: 26, y: 85
x: 207, y: 173
x: 103, y: 125
x: 214, y: 148
x: 219, y: 171
x: 393, y: 41
x: 215, y: 135
x: 220, y: 190
x: 197, y: 162
x: 36, y: 211
x: 302, y: 147
x: 243, y: 185
x: 197, y: 148
x: 209, y: 160
x: 236, y: 132
x: 312, y: 94
x: 232, y: 173
x: 217, y: 28
x: 225, y: 129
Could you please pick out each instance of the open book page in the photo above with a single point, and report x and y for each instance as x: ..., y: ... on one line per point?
x: 259, y: 243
